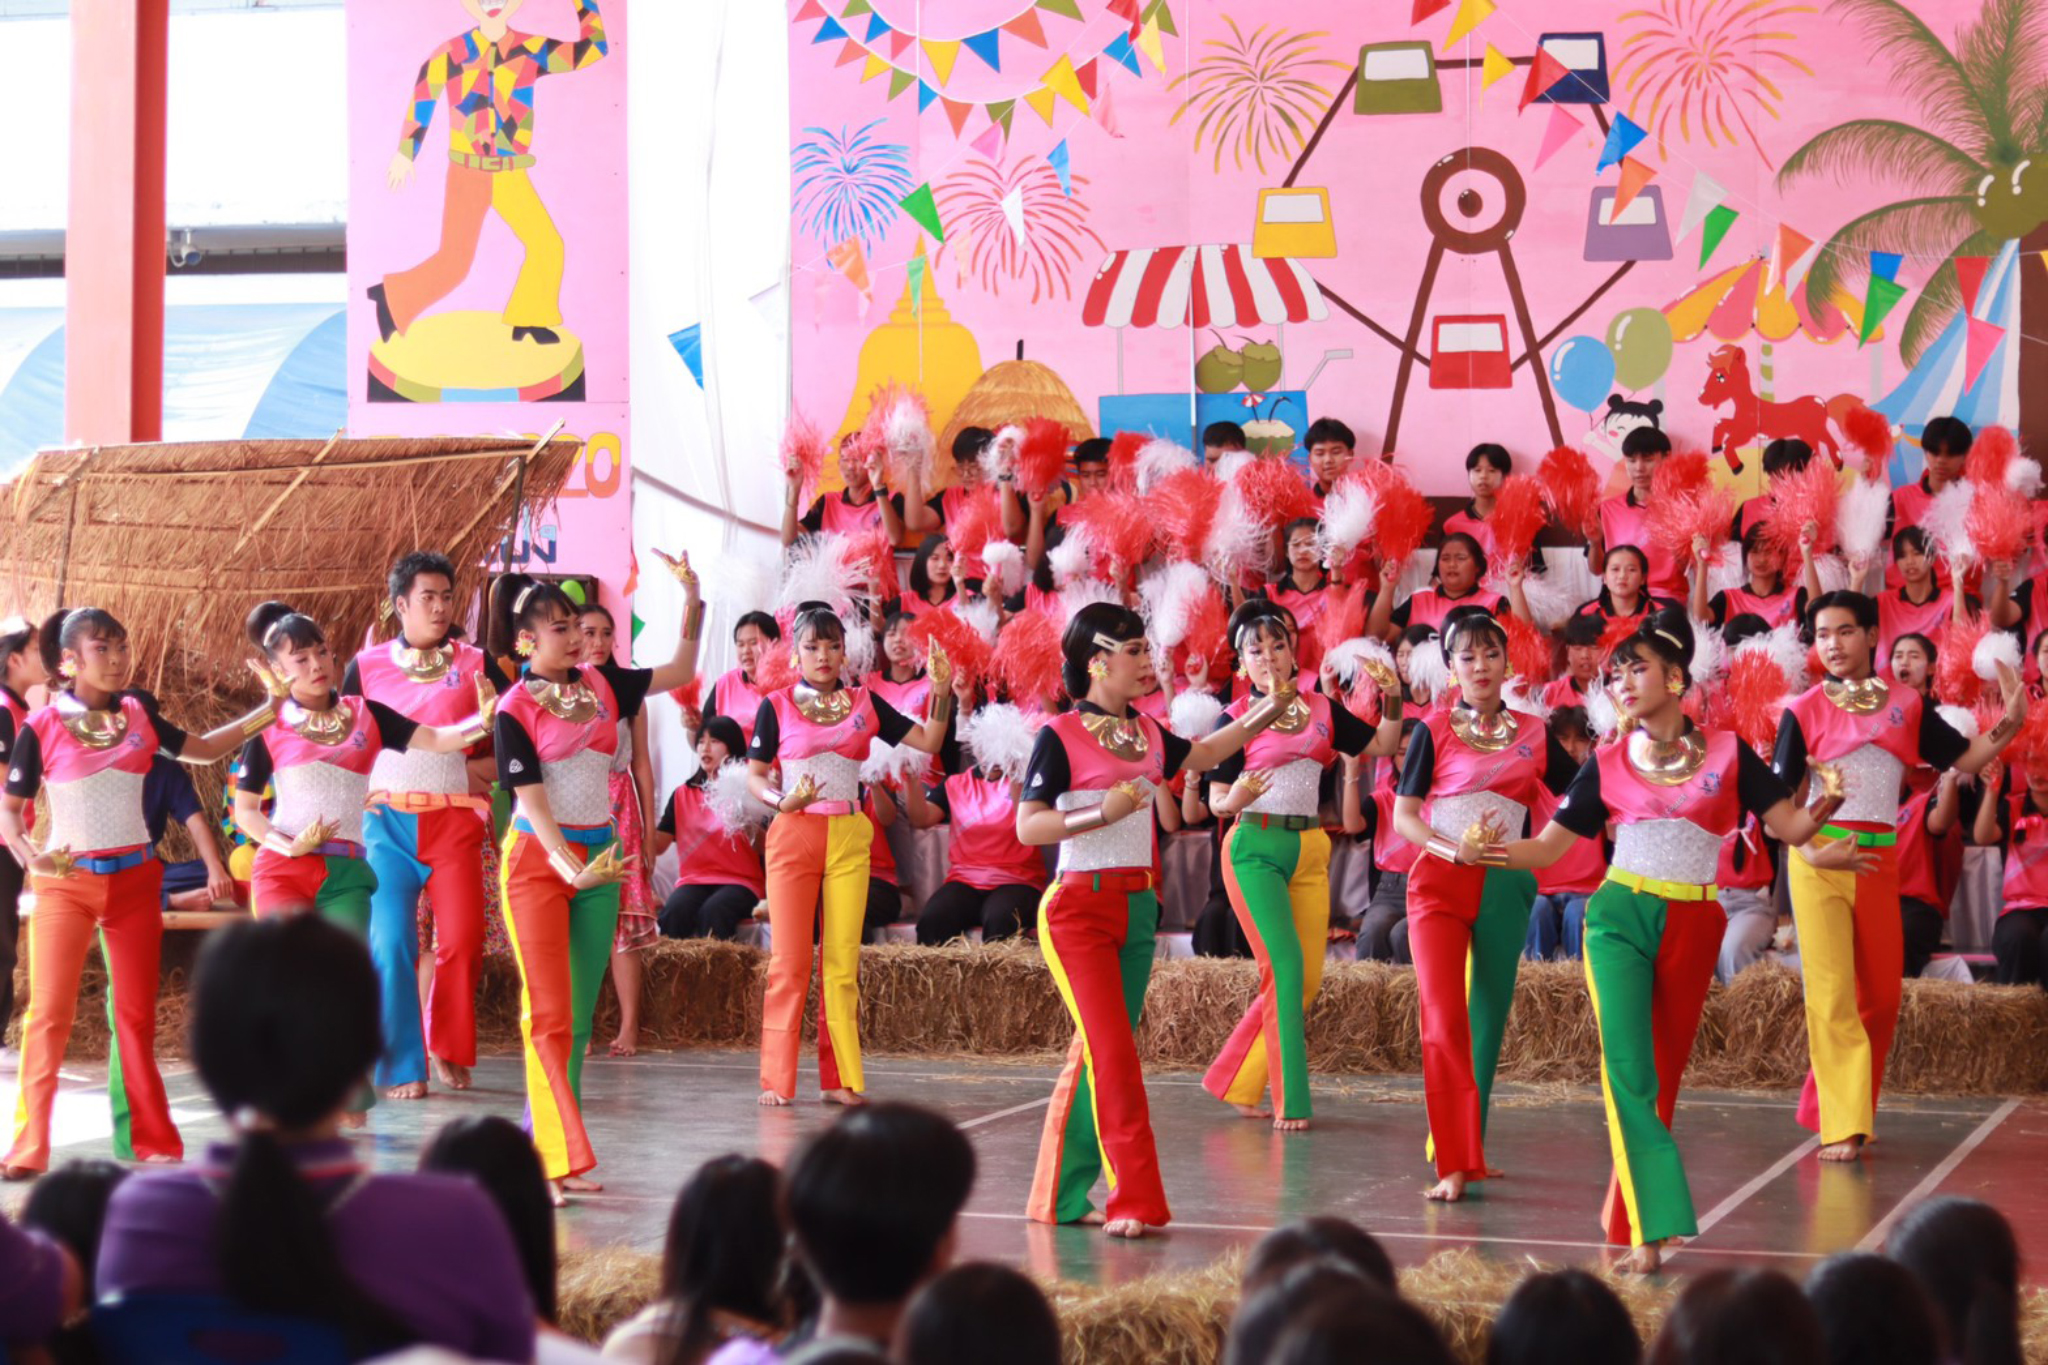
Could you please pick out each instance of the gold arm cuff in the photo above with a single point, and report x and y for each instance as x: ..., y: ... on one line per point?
x: 475, y: 732
x: 1085, y: 821
x: 259, y: 720
x: 693, y: 621
x: 565, y: 866
x: 1493, y: 855
x: 1258, y: 717
x: 278, y: 844
x: 942, y: 708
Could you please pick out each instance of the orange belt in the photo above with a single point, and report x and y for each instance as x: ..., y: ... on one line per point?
x: 418, y: 803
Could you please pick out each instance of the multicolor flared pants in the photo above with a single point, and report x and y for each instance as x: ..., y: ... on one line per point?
x: 1097, y: 930
x: 438, y: 850
x: 815, y: 864
x: 1852, y: 954
x: 1278, y: 880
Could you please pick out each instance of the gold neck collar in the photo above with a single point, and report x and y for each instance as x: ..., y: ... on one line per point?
x: 1121, y: 736
x: 571, y: 701
x: 327, y: 727
x: 1487, y: 734
x: 1666, y: 763
x: 94, y: 729
x: 1857, y: 698
x: 423, y: 665
x: 822, y: 708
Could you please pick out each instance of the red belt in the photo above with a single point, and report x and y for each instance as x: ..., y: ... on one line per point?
x: 1129, y: 882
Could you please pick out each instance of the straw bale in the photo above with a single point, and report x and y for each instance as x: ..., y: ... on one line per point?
x: 1179, y: 1318
x: 596, y: 1289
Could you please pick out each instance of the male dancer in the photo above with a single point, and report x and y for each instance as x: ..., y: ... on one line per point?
x: 425, y: 830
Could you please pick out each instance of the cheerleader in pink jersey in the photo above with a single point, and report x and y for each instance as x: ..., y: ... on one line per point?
x: 86, y: 754
x: 21, y: 668
x: 1624, y: 520
x: 736, y: 694
x: 1460, y: 569
x: 1768, y: 592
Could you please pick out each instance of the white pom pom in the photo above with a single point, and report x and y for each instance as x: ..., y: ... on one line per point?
x: 980, y: 613
x: 727, y: 796
x: 1516, y: 696
x: 863, y: 650
x: 1550, y: 601
x: 1947, y: 522
x: 1344, y: 658
x: 1084, y: 592
x: 1833, y: 571
x: 892, y: 763
x: 1167, y: 599
x: 1785, y: 649
x: 1193, y: 714
x: 1603, y: 717
x: 740, y: 583
x: 908, y: 430
x: 1230, y: 462
x: 1000, y: 736
x: 1429, y: 673
x: 1238, y: 541
x: 1069, y: 559
x: 1348, y: 516
x: 999, y: 457
x: 1005, y: 562
x: 1860, y: 515
x: 2023, y: 476
x: 1995, y: 648
x: 1960, y: 719
x: 819, y: 569
x: 1709, y: 655
x: 1158, y: 459
x: 1726, y: 570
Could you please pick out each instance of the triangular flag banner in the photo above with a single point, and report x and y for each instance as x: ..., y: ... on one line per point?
x: 925, y: 96
x: 900, y: 81
x: 1969, y: 279
x: 1040, y: 101
x: 999, y: 114
x: 920, y: 206
x: 849, y: 260
x: 1713, y: 228
x: 917, y: 284
x: 1634, y: 175
x: 1027, y: 27
x: 1158, y: 12
x: 899, y: 42
x: 1013, y: 213
x: 877, y: 26
x: 1471, y: 14
x: 956, y: 114
x: 1062, y: 81
x: 1785, y: 253
x: 1705, y: 194
x: 1495, y: 66
x: 1544, y: 72
x: 1085, y: 74
x: 1563, y: 123
x: 1885, y: 264
x: 1425, y: 8
x: 1105, y: 114
x: 851, y: 52
x: 1621, y: 140
x: 829, y: 30
x: 943, y: 55
x: 1983, y: 338
x: 1058, y: 157
x: 1883, y: 296
x: 1126, y: 10
x: 875, y: 67
x: 988, y: 47
x: 990, y: 142
x: 854, y: 7
x: 1149, y: 44
x: 689, y: 344
x: 810, y: 9
x: 1120, y: 50
x: 1066, y: 7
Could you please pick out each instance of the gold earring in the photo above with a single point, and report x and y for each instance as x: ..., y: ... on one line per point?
x: 792, y: 658
x: 1098, y: 668
x: 1675, y: 686
x: 524, y: 645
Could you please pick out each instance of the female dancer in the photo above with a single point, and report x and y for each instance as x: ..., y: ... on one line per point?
x: 88, y: 752
x: 1089, y: 788
x: 1276, y: 860
x: 718, y: 874
x: 1675, y: 795
x: 21, y: 667
x: 817, y: 731
x: 559, y: 870
x: 1466, y: 925
x: 632, y: 788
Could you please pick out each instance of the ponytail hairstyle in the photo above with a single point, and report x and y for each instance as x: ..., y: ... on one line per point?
x: 725, y: 1252
x: 1098, y: 628
x: 1663, y: 636
x: 274, y: 627
x: 62, y: 630
x: 284, y: 1029
x: 1470, y: 625
x: 520, y: 602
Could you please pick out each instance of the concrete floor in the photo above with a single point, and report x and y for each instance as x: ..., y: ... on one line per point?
x: 1763, y: 1197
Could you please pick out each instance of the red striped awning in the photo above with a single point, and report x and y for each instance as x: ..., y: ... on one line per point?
x: 1208, y: 286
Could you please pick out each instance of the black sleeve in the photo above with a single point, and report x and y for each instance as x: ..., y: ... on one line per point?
x: 351, y: 680
x: 1232, y: 768
x: 892, y: 724
x: 25, y: 769
x: 629, y: 685
x: 1559, y: 767
x: 518, y: 760
x: 937, y: 502
x: 1176, y: 751
x: 1348, y: 732
x: 814, y: 520
x: 711, y: 707
x: 667, y: 823
x: 1047, y: 775
x: 1757, y: 787
x: 1941, y: 744
x: 256, y: 767
x: 936, y: 795
x: 1418, y: 774
x: 1788, y: 759
x: 492, y: 674
x: 1583, y: 811
x: 170, y: 740
x: 767, y: 741
x: 1717, y: 608
x: 1400, y: 616
x: 6, y: 734
x: 393, y: 730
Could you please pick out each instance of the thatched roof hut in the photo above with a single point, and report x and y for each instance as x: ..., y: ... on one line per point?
x: 180, y: 540
x: 1017, y: 391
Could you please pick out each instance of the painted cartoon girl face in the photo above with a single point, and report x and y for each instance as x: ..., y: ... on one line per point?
x: 493, y: 16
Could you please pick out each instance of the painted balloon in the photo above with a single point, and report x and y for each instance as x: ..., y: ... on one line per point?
x: 1640, y: 339
x: 1582, y: 372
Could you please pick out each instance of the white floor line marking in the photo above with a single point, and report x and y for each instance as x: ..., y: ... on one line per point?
x: 1748, y: 1191
x: 1005, y: 1113
x: 1874, y: 1239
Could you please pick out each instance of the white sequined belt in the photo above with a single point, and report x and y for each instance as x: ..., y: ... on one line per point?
x: 579, y: 788
x: 1127, y: 844
x: 416, y: 770
x: 96, y: 812
x: 1668, y: 851
x: 1451, y: 816
x: 836, y: 776
x: 1292, y: 789
x: 310, y: 792
x: 1872, y: 777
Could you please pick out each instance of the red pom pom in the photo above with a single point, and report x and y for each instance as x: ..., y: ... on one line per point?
x: 1753, y: 697
x: 1798, y: 497
x: 2000, y: 523
x: 1681, y: 471
x: 979, y: 521
x: 1529, y: 651
x: 1274, y: 493
x: 1955, y: 671
x: 804, y: 448
x: 1027, y: 659
x: 1119, y: 529
x: 875, y: 557
x: 971, y: 655
x: 1681, y: 512
x: 1343, y: 617
x: 1990, y: 453
x: 1206, y: 641
x: 1618, y: 628
x: 2029, y: 748
x: 777, y: 668
x: 1518, y: 515
x: 1405, y: 515
x: 1123, y: 459
x: 688, y: 695
x: 1041, y: 456
x: 1572, y: 488
x: 1183, y: 506
x: 1870, y: 431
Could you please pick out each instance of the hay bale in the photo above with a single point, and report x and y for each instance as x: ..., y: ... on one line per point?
x: 1171, y: 1319
x: 597, y: 1289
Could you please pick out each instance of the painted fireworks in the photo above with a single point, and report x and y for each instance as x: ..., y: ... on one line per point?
x: 1705, y: 66
x: 1256, y: 94
x: 1036, y: 238
x: 848, y: 184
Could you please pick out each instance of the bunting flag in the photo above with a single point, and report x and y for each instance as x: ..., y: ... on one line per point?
x: 850, y: 53
x: 899, y: 42
x: 1544, y: 72
x: 1072, y: 10
x: 810, y: 9
x: 1882, y: 296
x: 1495, y: 67
x: 1713, y: 228
x: 851, y: 261
x: 901, y: 80
x: 1622, y: 138
x: 925, y: 96
x: 917, y: 267
x: 689, y: 344
x: 827, y: 31
x: 1105, y: 114
x: 1062, y: 81
x: 1425, y: 8
x: 990, y: 142
x: 1160, y: 14
x: 878, y: 27
x: 1634, y: 175
x: 1120, y: 50
x: 1084, y: 74
x: 1040, y: 102
x: 875, y: 66
x: 1789, y: 259
x: 1969, y: 279
x: 999, y: 114
x: 853, y: 7
x: 988, y: 47
x: 943, y: 55
x: 1471, y: 14
x: 1027, y: 27
x: 1148, y: 43
x: 1013, y: 213
x: 920, y: 206
x: 1705, y: 195
x: 1885, y: 264
x: 1981, y: 342
x: 956, y: 114
x: 1563, y: 123
x: 1061, y: 168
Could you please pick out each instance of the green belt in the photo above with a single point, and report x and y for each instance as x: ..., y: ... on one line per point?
x: 1293, y: 822
x: 1863, y: 838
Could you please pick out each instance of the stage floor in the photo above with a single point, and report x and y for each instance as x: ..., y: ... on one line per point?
x: 1763, y: 1198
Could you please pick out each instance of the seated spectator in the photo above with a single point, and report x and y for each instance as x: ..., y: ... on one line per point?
x: 1383, y: 931
x: 718, y: 875
x: 282, y: 1218
x: 1565, y: 1317
x: 493, y: 1152
x: 193, y: 883
x: 1262, y: 1317
x: 872, y: 1205
x: 1739, y: 1317
x: 885, y: 890
x: 993, y: 882
x: 1322, y: 1313
x: 1930, y: 855
x: 1310, y: 1239
x: 1873, y: 1312
x: 988, y: 1314
x: 2017, y: 824
x: 1557, y: 917
x: 69, y: 1205
x: 41, y: 1285
x: 1625, y: 597
x: 1963, y: 1253
x: 1581, y: 636
x: 721, y: 1269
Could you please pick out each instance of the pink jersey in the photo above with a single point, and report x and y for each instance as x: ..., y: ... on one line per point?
x: 1270, y: 749
x: 93, y: 797
x: 2025, y: 886
x: 1929, y: 864
x: 575, y: 756
x: 983, y: 847
x: 1583, y: 866
x: 739, y: 699
x: 1875, y: 750
x: 830, y: 755
x: 1467, y: 784
x: 849, y: 519
x: 1463, y: 520
x: 315, y: 781
x: 1390, y: 852
x: 1776, y: 609
x: 448, y: 700
x: 705, y: 854
x: 1428, y: 607
x: 356, y: 752
x: 1624, y: 523
x: 908, y: 697
x: 1565, y: 691
x: 1091, y: 771
x: 1896, y: 616
x: 1307, y: 608
x: 1708, y: 799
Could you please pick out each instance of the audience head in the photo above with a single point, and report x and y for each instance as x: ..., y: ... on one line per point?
x: 969, y: 443
x: 719, y: 743
x: 1564, y: 1317
x: 1786, y: 455
x: 1963, y: 1252
x: 1262, y: 1318
x: 1912, y: 660
x: 724, y: 1252
x: 1091, y: 465
x: 1219, y: 439
x: 1330, y: 444
x: 600, y: 632
x: 1486, y: 466
x: 1623, y: 572
x: 1303, y: 551
x: 988, y: 1314
x: 1743, y: 626
x: 1582, y: 646
x: 1947, y: 440
x: 1323, y: 1314
x: 1761, y: 558
x: 501, y: 1159
x: 751, y: 637
x: 21, y: 663
x: 932, y: 566
x: 70, y: 1205
x: 1310, y: 1239
x: 1642, y: 450
x: 1739, y: 1317
x: 1573, y: 729
x: 1873, y: 1312
x: 1460, y: 563
x: 873, y: 1199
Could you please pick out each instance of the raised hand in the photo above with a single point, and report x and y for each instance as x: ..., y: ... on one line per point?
x: 937, y: 666
x: 1382, y: 676
x: 486, y: 700
x: 679, y: 566
x: 273, y: 682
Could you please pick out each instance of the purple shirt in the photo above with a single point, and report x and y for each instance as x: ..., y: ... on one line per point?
x: 31, y: 1284
x: 431, y: 1248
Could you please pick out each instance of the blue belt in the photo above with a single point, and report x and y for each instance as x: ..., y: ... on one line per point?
x: 113, y: 862
x: 590, y: 836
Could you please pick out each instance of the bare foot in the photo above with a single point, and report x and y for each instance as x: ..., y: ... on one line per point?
x: 162, y: 1159
x: 555, y: 1195
x: 411, y: 1090
x: 1253, y: 1111
x: 354, y: 1119
x: 1130, y: 1229
x: 1642, y: 1260
x: 852, y: 1099
x: 771, y: 1100
x: 1496, y: 1173
x: 18, y: 1173
x: 1290, y: 1125
x: 454, y: 1075
x: 1092, y: 1219
x: 1449, y: 1190
x: 1842, y: 1151
x: 626, y: 1045
x: 576, y: 1184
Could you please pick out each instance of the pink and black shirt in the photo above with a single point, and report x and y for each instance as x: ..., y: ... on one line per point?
x: 983, y: 850
x: 706, y: 855
x: 2023, y: 833
x: 1459, y: 784
x: 1676, y: 833
x: 94, y: 796
x: 1071, y: 770
x: 450, y: 699
x: 830, y: 755
x: 736, y: 698
x: 1873, y: 750
x: 1293, y: 763
x: 318, y: 781
x: 571, y: 760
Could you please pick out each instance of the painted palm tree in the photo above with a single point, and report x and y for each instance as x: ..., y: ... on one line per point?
x: 1980, y: 160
